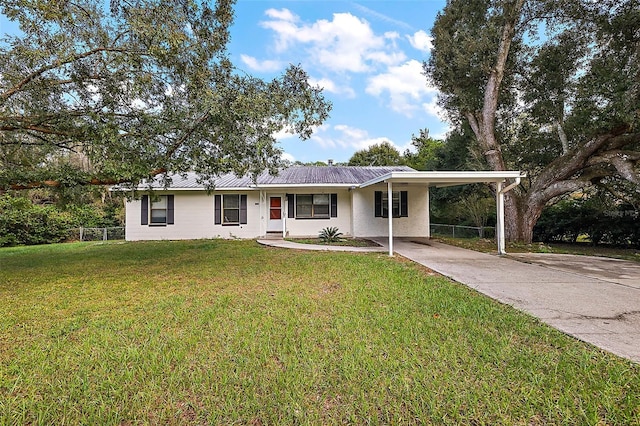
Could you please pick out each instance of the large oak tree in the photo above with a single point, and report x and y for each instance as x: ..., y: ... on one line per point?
x: 101, y: 93
x: 551, y: 87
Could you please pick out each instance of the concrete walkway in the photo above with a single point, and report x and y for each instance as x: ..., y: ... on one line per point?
x: 593, y: 299
x: 317, y: 247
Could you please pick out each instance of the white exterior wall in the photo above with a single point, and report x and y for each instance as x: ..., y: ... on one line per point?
x: 365, y: 224
x: 194, y: 215
x: 312, y: 227
x: 193, y: 218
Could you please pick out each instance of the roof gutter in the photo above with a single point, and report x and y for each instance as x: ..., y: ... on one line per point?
x: 515, y: 183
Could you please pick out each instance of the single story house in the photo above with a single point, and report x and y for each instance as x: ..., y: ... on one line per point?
x: 298, y: 202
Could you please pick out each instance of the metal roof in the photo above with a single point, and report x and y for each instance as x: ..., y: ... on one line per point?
x: 322, y: 175
x: 292, y: 176
x: 336, y: 176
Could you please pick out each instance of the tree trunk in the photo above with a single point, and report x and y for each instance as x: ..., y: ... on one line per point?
x: 521, y: 214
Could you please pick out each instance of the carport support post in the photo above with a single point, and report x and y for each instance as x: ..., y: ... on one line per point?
x: 390, y: 214
x: 500, y: 219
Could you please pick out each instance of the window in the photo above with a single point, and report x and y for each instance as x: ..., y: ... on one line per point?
x: 159, y: 210
x: 399, y: 204
x: 313, y: 206
x: 230, y: 209
x: 156, y: 210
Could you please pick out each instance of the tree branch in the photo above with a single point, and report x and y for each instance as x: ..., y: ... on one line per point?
x: 90, y: 181
x: 15, y: 89
x: 576, y: 159
x: 38, y: 129
x: 624, y: 162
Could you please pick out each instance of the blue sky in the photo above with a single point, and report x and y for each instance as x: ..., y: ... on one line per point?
x: 367, y: 55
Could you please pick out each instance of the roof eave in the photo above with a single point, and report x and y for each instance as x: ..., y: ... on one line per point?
x: 445, y: 178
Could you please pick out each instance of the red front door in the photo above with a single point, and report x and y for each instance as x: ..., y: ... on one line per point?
x: 275, y: 215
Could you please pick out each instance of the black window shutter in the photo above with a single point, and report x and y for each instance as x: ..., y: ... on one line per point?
x: 169, y: 209
x: 217, y: 210
x: 243, y: 208
x: 404, y: 204
x: 378, y: 204
x: 334, y: 205
x: 144, y: 214
x: 291, y: 205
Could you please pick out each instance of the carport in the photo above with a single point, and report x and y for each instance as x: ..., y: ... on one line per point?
x: 504, y: 181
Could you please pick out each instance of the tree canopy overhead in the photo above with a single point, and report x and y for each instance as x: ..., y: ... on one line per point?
x: 104, y: 94
x: 550, y: 87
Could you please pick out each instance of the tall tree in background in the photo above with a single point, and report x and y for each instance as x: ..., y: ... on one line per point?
x: 90, y: 95
x: 382, y: 154
x: 564, y: 106
x: 425, y: 149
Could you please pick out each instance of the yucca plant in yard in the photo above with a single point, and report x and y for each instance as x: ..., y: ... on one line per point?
x: 330, y: 234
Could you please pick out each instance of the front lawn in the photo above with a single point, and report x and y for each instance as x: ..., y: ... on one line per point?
x: 230, y: 332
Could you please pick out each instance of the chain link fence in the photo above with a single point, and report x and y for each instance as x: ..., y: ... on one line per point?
x: 458, y: 231
x: 97, y: 234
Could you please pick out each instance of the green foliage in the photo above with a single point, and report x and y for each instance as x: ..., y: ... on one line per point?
x: 569, y: 219
x: 330, y: 234
x: 422, y: 157
x: 382, y: 154
x: 91, y: 94
x: 426, y: 151
x: 25, y: 223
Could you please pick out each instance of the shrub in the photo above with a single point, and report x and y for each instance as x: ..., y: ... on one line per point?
x: 25, y: 223
x: 330, y: 234
x: 569, y: 219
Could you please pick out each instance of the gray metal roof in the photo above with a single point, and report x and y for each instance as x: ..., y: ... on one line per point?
x: 297, y: 175
x: 319, y: 175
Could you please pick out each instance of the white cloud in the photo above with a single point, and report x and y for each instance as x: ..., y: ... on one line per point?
x: 354, y: 134
x: 405, y: 84
x: 257, y: 65
x: 288, y: 157
x: 330, y: 86
x: 348, y: 138
x: 321, y: 137
x: 391, y: 35
x: 421, y: 41
x: 283, y: 15
x: 381, y: 16
x: 432, y: 108
x: 387, y: 58
x: 284, y: 134
x: 346, y: 43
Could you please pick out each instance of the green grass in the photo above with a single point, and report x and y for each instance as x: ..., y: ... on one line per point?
x: 229, y: 332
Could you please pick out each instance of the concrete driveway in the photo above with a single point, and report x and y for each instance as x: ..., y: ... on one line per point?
x: 594, y: 299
